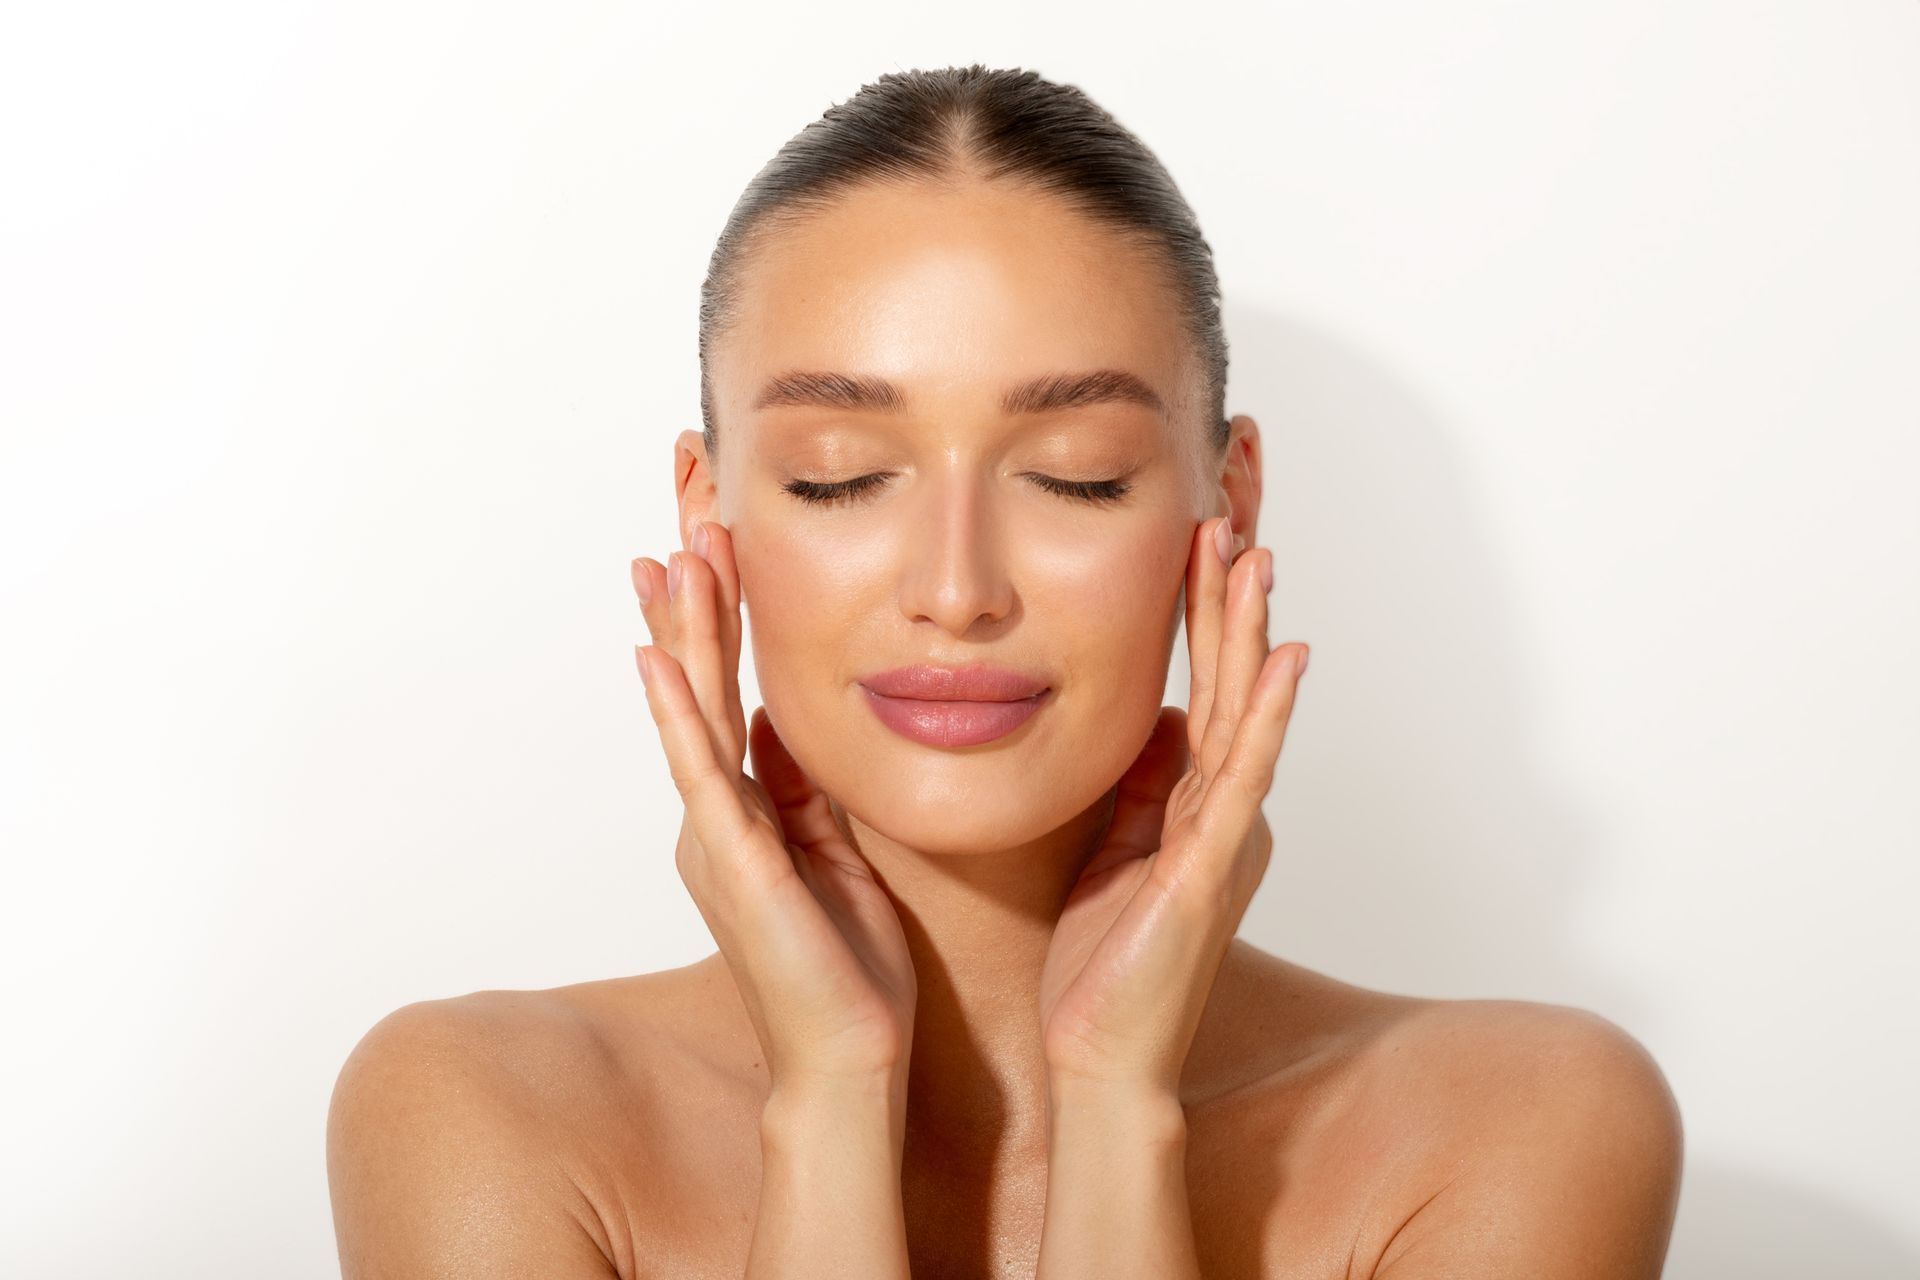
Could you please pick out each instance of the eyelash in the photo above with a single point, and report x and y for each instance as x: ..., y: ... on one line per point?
x: 825, y: 495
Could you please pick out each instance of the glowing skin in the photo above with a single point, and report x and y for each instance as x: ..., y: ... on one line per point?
x: 955, y: 296
x: 959, y: 554
x: 616, y: 1128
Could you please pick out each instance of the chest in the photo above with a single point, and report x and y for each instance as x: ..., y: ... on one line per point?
x: 1263, y: 1204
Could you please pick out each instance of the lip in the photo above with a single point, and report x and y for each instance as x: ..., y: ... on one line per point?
x: 954, y: 706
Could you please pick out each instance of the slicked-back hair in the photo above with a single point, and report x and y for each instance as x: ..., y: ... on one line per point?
x: 959, y: 123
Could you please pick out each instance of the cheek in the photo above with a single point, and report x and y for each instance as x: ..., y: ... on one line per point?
x: 1104, y: 611
x: 799, y: 568
x: 788, y: 586
x: 1122, y: 596
x: 796, y: 599
x: 1116, y: 612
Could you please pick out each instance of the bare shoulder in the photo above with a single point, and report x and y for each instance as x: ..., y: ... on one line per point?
x: 1492, y: 1054
x: 465, y: 1135
x: 1529, y: 1076
x: 1516, y: 1137
x: 1374, y: 1134
x: 1444, y: 1062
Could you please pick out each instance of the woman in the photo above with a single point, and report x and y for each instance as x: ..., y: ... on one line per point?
x: 978, y: 1007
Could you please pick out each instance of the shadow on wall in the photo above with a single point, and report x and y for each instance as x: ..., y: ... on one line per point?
x: 1428, y: 855
x: 1419, y: 808
x: 1735, y: 1226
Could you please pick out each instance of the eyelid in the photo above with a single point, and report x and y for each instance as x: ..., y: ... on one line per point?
x: 825, y: 493
x: 1102, y: 492
x: 1096, y: 491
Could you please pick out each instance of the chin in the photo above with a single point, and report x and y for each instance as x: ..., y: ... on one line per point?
x: 968, y: 826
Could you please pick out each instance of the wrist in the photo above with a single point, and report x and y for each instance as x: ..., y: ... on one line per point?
x: 836, y: 1089
x: 1137, y: 1112
x: 1117, y: 1195
x: 798, y: 1111
x: 830, y: 1190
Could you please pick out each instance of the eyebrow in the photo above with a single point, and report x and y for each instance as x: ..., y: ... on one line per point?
x: 1036, y: 395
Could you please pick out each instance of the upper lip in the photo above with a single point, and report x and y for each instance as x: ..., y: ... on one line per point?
x: 978, y: 682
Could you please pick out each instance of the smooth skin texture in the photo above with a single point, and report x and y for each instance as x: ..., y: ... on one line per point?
x: 980, y: 1012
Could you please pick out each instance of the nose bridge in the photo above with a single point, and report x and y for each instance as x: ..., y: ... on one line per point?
x: 955, y: 569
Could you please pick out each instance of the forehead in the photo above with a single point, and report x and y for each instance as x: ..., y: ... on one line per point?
x: 952, y: 293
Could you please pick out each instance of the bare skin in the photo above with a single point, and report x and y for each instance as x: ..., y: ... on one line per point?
x: 621, y: 1119
x: 1315, y: 1128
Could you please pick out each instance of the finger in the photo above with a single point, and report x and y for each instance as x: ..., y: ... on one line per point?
x: 1243, y: 651
x: 696, y: 628
x: 1206, y: 587
x: 726, y: 570
x: 715, y: 810
x: 802, y: 806
x: 1235, y: 794
x: 650, y: 585
x: 1140, y: 802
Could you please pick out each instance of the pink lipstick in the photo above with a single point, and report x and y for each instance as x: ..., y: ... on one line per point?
x: 954, y: 706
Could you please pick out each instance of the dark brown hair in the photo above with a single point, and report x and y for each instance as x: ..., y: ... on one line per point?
x: 1001, y: 124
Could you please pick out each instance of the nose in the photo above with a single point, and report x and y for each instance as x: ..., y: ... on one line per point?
x: 955, y: 572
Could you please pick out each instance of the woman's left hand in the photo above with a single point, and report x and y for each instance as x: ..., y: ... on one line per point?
x: 1145, y: 928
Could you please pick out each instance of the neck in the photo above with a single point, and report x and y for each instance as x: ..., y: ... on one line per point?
x: 978, y: 925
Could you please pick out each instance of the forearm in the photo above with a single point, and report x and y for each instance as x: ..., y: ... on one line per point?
x: 1116, y: 1186
x: 830, y: 1201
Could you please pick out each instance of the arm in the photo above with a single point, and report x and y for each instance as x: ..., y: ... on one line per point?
x: 1145, y: 930
x: 1116, y: 1185
x: 810, y: 936
x: 830, y: 1202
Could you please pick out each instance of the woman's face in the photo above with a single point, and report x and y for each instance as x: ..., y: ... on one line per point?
x: 956, y: 552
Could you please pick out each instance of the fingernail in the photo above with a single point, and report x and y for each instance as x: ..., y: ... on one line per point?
x: 1221, y: 544
x: 673, y: 574
x: 700, y: 539
x: 640, y: 660
x: 1304, y: 655
x: 1266, y: 570
x: 643, y: 583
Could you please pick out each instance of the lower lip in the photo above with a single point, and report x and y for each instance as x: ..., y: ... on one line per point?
x: 952, y: 724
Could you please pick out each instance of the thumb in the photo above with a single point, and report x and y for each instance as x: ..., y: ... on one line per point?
x: 1140, y: 804
x: 802, y: 805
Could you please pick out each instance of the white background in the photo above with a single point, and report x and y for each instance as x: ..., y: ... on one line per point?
x: 344, y: 348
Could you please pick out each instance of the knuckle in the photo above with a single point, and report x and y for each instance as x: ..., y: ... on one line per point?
x: 756, y: 877
x: 1251, y: 782
x: 692, y: 779
x: 1205, y: 898
x: 714, y: 878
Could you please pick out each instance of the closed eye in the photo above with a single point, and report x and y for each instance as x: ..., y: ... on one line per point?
x: 849, y: 491
x: 826, y: 495
x: 1087, y: 490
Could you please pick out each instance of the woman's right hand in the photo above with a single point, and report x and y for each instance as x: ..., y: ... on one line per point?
x: 813, y: 941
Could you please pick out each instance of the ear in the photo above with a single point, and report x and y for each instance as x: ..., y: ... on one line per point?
x: 1240, y: 479
x: 693, y: 486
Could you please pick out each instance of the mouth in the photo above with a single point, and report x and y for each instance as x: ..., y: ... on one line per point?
x: 954, y: 706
